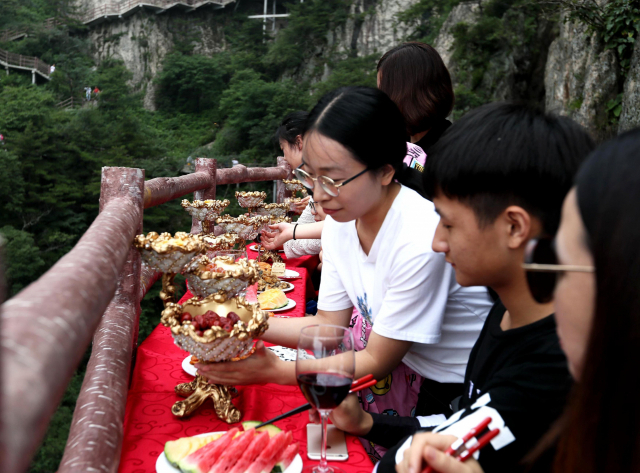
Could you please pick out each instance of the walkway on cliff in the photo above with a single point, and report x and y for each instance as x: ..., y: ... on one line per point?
x: 10, y: 60
x: 113, y: 10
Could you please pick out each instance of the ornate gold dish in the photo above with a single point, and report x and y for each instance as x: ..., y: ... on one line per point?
x: 198, y: 391
x: 216, y: 344
x: 167, y: 253
x: 230, y: 278
x: 250, y: 200
x: 205, y: 210
x: 227, y: 241
x: 244, y: 226
x: 295, y: 185
x: 274, y: 210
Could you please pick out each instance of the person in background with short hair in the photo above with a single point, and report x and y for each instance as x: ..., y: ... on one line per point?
x: 289, y: 137
x: 413, y: 321
x: 597, y: 308
x: 415, y: 77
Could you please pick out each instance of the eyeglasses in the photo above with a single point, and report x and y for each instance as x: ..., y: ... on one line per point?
x: 541, y: 264
x: 327, y: 184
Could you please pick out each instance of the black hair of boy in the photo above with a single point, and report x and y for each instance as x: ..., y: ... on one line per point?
x: 473, y: 161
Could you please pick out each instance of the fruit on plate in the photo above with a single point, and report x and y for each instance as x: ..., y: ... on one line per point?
x: 210, y: 319
x: 205, y: 457
x: 242, y: 452
x: 176, y: 450
x: 272, y: 299
x: 271, y: 454
x: 271, y: 429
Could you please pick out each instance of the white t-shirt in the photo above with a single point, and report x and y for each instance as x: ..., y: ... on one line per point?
x: 406, y: 290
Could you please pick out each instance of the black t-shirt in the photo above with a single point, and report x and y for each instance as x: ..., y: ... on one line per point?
x: 525, y: 372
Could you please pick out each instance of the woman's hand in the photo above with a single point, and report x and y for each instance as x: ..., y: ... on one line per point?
x: 428, y: 449
x: 260, y: 368
x: 348, y: 416
x: 278, y: 236
x: 299, y: 207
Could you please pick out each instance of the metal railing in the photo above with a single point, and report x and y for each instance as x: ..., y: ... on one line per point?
x: 11, y: 34
x: 92, y: 293
x: 29, y: 63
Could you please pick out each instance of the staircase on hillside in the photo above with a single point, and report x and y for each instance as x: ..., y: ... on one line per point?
x: 10, y: 60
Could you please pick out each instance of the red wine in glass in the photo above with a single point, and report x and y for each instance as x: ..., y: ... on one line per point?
x: 325, y: 367
x: 324, y: 390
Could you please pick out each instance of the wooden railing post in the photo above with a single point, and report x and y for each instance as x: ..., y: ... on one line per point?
x: 281, y: 191
x: 95, y: 439
x: 209, y: 166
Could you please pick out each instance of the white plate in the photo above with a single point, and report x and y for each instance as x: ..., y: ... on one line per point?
x: 290, y: 274
x: 288, y: 289
x: 254, y: 247
x: 290, y: 305
x: 163, y: 465
x: 289, y: 354
x: 188, y: 367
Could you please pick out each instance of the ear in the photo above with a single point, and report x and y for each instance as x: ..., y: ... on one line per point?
x: 521, y: 226
x: 386, y: 173
x: 299, y: 142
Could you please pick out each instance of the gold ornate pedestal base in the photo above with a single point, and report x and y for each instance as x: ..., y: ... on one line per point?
x: 168, y: 292
x: 198, y: 391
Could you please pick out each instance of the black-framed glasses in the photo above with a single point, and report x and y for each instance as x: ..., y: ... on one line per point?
x: 541, y: 264
x: 328, y: 185
x: 312, y: 206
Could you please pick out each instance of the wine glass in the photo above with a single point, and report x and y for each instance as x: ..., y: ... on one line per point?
x: 325, y: 366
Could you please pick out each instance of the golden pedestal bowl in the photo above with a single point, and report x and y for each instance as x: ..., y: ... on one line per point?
x: 227, y: 279
x: 244, y: 226
x: 273, y: 210
x: 213, y: 345
x: 205, y: 211
x: 250, y: 200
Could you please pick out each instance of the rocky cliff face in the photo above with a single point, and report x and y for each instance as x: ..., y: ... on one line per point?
x: 630, y: 116
x: 581, y: 78
x: 142, y: 41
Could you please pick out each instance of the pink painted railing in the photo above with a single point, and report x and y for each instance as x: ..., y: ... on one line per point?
x: 24, y: 62
x: 92, y: 293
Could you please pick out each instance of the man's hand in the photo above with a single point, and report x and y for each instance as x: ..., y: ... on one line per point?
x: 428, y: 449
x: 278, y: 236
x: 348, y: 416
x: 262, y: 367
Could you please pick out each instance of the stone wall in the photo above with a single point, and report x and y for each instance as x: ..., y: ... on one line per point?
x: 630, y: 116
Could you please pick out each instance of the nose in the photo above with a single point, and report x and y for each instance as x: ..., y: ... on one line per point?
x: 319, y: 194
x: 440, y: 243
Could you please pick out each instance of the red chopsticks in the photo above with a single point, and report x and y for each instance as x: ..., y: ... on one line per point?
x: 459, y: 450
x: 359, y: 384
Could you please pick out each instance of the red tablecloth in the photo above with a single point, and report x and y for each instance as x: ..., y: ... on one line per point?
x: 149, y: 423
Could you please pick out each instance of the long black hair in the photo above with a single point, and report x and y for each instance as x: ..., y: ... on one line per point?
x: 365, y: 121
x: 601, y: 428
x: 292, y: 126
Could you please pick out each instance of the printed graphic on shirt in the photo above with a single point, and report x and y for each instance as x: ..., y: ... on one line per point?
x: 363, y: 307
x: 382, y: 387
x: 415, y: 164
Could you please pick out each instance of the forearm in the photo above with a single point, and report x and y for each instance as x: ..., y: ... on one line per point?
x: 309, y: 231
x: 286, y: 332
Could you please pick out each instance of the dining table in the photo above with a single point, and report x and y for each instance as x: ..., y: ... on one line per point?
x: 149, y: 423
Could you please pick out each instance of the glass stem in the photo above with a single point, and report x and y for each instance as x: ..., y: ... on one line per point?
x: 323, y: 467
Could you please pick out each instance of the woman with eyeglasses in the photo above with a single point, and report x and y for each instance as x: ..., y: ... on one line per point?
x: 592, y: 270
x: 413, y: 320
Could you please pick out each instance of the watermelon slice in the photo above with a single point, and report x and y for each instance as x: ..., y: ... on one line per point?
x: 271, y: 453
x: 286, y: 458
x: 272, y: 429
x: 233, y: 453
x: 260, y: 441
x: 272, y: 463
x: 176, y: 450
x: 204, y: 458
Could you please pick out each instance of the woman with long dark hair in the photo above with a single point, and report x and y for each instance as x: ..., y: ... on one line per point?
x: 412, y: 320
x: 597, y: 304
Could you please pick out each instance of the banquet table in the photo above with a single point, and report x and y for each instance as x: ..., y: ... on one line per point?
x: 149, y: 423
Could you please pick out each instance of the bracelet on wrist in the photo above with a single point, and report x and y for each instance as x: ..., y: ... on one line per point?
x: 294, y: 231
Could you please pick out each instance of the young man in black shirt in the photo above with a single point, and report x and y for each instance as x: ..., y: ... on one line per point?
x: 497, y: 178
